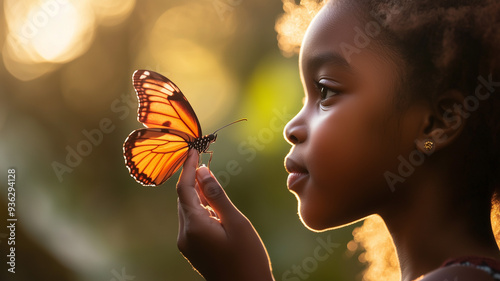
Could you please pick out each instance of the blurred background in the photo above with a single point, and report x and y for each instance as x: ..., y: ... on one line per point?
x: 67, y: 104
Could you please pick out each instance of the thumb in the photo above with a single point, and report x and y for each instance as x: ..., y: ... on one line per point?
x: 215, y: 195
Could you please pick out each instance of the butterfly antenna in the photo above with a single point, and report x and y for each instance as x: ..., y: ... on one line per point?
x: 239, y: 120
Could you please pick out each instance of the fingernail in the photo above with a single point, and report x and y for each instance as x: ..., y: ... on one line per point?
x: 202, y: 173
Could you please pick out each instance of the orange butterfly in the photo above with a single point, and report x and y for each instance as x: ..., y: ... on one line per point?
x: 153, y: 154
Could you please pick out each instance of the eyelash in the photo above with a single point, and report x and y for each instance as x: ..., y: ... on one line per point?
x: 323, y: 90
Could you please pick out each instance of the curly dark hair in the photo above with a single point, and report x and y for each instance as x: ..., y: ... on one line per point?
x: 451, y: 45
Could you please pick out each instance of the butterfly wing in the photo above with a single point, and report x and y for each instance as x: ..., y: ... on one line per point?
x: 153, y: 155
x: 162, y: 104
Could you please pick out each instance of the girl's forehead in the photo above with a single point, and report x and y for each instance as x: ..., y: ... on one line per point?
x: 343, y: 35
x: 333, y: 31
x: 338, y: 44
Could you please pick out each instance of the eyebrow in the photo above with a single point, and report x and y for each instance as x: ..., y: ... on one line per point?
x: 320, y: 59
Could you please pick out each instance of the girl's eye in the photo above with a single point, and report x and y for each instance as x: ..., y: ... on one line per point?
x: 326, y: 92
x: 327, y: 89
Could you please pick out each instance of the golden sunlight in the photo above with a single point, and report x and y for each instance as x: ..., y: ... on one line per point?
x: 112, y: 12
x: 495, y: 220
x: 292, y: 25
x: 43, y: 34
x: 380, y: 253
x: 196, y: 69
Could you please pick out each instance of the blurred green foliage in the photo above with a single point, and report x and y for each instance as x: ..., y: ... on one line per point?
x: 94, y: 221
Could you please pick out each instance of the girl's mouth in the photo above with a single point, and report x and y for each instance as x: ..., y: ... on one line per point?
x: 296, y: 172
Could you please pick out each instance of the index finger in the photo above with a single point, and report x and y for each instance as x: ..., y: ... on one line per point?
x: 186, y: 184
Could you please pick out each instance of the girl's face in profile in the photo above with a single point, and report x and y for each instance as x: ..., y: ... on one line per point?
x: 348, y: 132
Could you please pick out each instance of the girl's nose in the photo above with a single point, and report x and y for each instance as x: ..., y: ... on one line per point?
x: 295, y: 131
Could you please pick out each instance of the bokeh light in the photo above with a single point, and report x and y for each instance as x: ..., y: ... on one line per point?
x: 43, y: 34
x: 67, y: 66
x: 111, y: 12
x: 292, y: 25
x: 495, y: 220
x: 177, y: 42
x: 380, y: 255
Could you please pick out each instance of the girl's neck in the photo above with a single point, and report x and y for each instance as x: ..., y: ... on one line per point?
x: 431, y: 226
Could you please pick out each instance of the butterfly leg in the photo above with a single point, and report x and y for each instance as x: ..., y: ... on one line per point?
x: 200, y: 160
x: 210, y: 159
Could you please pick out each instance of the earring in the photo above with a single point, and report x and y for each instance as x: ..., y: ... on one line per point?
x: 428, y: 145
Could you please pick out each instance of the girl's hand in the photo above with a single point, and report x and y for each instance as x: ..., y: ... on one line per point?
x: 218, y: 240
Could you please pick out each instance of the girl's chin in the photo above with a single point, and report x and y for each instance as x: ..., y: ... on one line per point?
x: 322, y: 220
x: 314, y: 225
x: 312, y: 220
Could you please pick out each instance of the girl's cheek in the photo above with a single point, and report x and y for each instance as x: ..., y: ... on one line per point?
x: 337, y: 147
x: 322, y: 148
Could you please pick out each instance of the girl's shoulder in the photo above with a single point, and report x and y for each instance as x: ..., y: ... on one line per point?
x: 466, y: 268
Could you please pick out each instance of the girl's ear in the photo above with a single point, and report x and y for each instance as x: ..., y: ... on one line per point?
x: 443, y: 123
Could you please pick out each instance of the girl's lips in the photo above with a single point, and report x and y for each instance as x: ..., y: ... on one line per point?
x: 294, y: 179
x: 292, y: 166
x: 296, y: 172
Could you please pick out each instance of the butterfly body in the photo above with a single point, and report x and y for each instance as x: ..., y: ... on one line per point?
x: 153, y: 154
x: 202, y: 144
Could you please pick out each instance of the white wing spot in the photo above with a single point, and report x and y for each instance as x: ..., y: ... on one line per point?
x: 144, y: 75
x: 169, y: 87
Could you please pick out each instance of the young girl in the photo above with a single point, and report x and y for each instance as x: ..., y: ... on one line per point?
x: 400, y: 119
